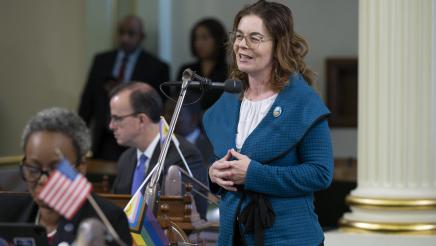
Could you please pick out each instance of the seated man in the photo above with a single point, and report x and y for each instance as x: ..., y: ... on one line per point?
x: 135, y: 114
x: 47, y: 133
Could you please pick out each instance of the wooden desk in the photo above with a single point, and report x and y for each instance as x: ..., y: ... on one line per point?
x: 101, y: 174
x: 175, y: 208
x: 174, y: 215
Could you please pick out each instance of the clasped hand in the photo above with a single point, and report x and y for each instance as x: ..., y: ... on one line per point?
x: 227, y: 172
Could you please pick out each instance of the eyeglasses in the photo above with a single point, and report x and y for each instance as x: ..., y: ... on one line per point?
x: 32, y: 173
x: 253, y: 39
x: 117, y: 119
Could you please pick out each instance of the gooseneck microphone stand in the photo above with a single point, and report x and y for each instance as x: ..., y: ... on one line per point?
x: 152, y: 191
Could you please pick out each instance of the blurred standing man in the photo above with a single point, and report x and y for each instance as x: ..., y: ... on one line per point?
x: 127, y: 63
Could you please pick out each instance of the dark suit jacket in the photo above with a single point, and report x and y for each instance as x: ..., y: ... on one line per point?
x: 94, y: 103
x: 21, y: 208
x: 128, y: 160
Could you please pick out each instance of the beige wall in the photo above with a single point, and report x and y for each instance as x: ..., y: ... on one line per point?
x: 148, y: 10
x: 100, y: 21
x: 47, y: 47
x: 42, y: 49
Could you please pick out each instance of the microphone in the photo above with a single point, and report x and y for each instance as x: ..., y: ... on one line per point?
x: 91, y: 231
x: 173, y: 182
x: 188, y: 74
x: 195, y: 80
x: 230, y: 85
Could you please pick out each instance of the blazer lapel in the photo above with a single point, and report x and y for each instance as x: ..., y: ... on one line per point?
x: 137, y: 68
x: 220, y: 123
x: 300, y: 108
x: 154, y: 159
x: 269, y: 131
x: 67, y: 229
x: 111, y: 62
x: 132, y: 160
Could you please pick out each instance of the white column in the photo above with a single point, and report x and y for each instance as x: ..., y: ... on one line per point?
x: 100, y: 24
x: 396, y: 189
x: 396, y: 112
x: 165, y: 30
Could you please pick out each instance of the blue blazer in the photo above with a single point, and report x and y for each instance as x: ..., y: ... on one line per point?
x: 291, y: 158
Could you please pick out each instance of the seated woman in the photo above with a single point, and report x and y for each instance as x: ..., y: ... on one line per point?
x: 51, y: 130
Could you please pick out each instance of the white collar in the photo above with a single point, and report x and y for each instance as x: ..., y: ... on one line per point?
x: 149, y: 150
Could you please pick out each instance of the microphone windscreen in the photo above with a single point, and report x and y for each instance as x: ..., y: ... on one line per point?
x: 173, y: 181
x: 187, y: 74
x: 91, y: 231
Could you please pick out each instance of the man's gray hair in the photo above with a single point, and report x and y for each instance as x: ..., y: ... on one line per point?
x: 62, y: 121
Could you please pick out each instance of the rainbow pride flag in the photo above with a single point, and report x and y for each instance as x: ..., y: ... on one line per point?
x: 144, y: 227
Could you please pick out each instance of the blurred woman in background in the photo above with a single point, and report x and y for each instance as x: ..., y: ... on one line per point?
x: 208, y: 46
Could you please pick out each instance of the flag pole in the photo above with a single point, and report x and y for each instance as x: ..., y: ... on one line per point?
x: 152, y: 189
x: 140, y: 187
x: 105, y: 220
x: 176, y: 144
x: 97, y: 209
x: 184, y: 161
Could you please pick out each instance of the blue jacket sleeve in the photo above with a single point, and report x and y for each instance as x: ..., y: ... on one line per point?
x: 314, y: 173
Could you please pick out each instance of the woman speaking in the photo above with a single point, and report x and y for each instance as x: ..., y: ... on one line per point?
x: 272, y: 142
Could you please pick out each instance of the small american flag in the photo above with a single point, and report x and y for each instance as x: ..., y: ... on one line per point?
x: 66, y: 190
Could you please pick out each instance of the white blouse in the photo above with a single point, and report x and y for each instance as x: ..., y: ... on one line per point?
x: 250, y: 115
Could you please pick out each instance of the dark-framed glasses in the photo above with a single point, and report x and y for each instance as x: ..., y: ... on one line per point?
x: 252, y: 39
x: 32, y: 172
x: 118, y: 118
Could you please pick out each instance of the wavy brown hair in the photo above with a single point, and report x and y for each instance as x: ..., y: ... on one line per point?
x: 289, y: 48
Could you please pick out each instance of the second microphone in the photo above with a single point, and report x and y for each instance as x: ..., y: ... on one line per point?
x: 230, y: 85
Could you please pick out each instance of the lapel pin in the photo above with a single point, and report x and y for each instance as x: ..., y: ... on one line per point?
x: 277, y: 111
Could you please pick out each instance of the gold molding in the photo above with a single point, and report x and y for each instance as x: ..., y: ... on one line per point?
x: 391, y: 204
x: 10, y: 160
x: 401, y: 228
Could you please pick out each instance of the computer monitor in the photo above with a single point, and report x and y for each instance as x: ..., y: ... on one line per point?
x: 22, y: 234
